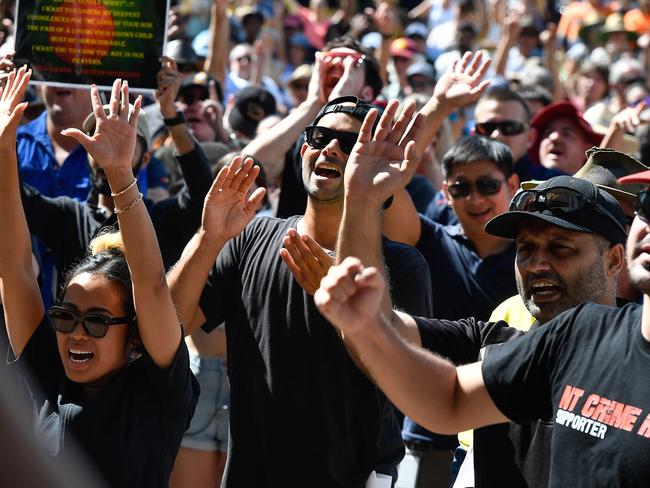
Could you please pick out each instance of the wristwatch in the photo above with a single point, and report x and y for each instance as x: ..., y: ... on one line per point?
x: 179, y: 118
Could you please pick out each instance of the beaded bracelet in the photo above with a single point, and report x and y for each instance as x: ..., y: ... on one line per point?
x: 131, y: 185
x: 129, y: 206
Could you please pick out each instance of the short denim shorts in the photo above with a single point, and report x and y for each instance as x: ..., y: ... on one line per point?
x: 208, y: 429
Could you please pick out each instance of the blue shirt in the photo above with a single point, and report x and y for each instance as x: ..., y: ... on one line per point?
x: 38, y: 166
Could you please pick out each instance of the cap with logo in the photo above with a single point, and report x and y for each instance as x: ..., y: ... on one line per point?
x: 567, y: 202
x: 252, y: 104
x: 350, y: 105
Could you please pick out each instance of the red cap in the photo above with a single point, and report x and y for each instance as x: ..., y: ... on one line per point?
x: 642, y: 177
x: 403, y: 47
x: 554, y: 111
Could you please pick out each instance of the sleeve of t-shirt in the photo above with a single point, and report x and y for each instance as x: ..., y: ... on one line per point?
x: 220, y: 284
x: 40, y: 358
x: 410, y: 280
x: 176, y: 386
x: 457, y: 340
x: 518, y: 374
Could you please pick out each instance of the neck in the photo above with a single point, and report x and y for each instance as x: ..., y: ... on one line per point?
x: 58, y: 140
x: 486, y: 244
x: 321, y: 222
x: 645, y: 318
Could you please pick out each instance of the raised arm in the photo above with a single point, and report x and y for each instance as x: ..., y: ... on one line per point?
x: 227, y: 210
x: 215, y: 62
x: 23, y: 307
x: 112, y: 146
x: 427, y: 388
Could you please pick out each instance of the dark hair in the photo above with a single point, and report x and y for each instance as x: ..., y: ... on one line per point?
x: 503, y: 93
x: 106, y: 258
x: 478, y: 148
x: 643, y: 133
x: 371, y: 66
x: 535, y: 92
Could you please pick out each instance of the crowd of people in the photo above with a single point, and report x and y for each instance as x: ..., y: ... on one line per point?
x: 334, y: 239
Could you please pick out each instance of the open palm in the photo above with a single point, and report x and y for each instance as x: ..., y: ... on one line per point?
x: 461, y: 84
x: 228, y: 208
x: 10, y: 107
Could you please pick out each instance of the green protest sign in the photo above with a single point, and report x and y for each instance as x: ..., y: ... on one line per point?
x: 81, y: 42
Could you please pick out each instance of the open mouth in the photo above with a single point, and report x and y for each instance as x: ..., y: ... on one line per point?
x: 544, y: 290
x: 80, y: 357
x: 328, y: 171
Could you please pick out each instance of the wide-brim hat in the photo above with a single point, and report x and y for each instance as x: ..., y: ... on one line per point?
x: 607, y: 218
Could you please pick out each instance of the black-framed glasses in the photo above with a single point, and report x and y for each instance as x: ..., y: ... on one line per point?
x: 318, y: 137
x: 506, y: 127
x: 485, y: 186
x: 95, y: 324
x: 642, y: 205
x: 190, y: 97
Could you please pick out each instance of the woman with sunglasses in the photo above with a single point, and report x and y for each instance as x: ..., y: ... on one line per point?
x: 108, y: 364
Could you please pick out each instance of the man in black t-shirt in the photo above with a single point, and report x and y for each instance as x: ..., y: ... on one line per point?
x: 568, y: 237
x: 302, y: 412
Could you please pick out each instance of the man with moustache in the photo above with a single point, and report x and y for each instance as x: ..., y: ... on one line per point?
x: 568, y: 237
x: 293, y: 383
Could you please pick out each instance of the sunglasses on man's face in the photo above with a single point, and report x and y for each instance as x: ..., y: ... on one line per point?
x: 318, y: 137
x: 642, y: 205
x: 485, y: 186
x: 95, y: 324
x: 506, y: 127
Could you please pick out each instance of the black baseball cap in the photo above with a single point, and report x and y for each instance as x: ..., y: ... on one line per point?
x: 252, y: 104
x: 576, y: 205
x: 359, y: 109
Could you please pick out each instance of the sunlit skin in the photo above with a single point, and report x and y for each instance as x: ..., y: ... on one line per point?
x: 591, y: 87
x: 322, y: 169
x: 638, y: 254
x: 557, y: 269
x: 92, y: 292
x: 488, y: 110
x: 563, y: 146
x: 240, y: 60
x: 336, y: 69
x: 475, y: 210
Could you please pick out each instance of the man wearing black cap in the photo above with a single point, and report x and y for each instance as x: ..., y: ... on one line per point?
x: 302, y: 413
x: 569, y: 237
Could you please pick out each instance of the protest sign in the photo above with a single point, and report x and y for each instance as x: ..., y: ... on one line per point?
x: 81, y: 42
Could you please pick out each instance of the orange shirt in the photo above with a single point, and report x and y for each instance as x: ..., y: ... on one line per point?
x: 576, y: 13
x: 637, y: 21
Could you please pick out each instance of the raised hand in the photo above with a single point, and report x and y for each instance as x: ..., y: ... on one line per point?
x: 228, y: 208
x: 169, y: 82
x: 461, y: 84
x: 113, y: 143
x: 381, y: 165
x: 306, y: 259
x: 350, y: 296
x: 11, y: 110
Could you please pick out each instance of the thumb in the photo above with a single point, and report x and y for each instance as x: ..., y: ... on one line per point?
x: 79, y: 136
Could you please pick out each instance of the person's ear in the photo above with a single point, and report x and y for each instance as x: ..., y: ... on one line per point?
x: 146, y: 158
x: 303, y: 149
x: 614, y: 260
x: 513, y: 184
x: 445, y: 190
x: 532, y: 135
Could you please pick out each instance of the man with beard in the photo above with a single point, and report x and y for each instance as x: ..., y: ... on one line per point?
x: 569, y: 240
x: 292, y: 380
x: 67, y: 226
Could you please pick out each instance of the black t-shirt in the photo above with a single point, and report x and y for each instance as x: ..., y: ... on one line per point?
x: 293, y: 196
x: 587, y: 371
x: 131, y: 430
x: 509, y: 454
x: 302, y: 412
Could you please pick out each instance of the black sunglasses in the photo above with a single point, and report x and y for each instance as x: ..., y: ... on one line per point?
x: 318, y: 137
x: 562, y: 199
x: 485, y: 186
x: 642, y: 205
x: 95, y: 324
x: 190, y: 98
x: 506, y: 127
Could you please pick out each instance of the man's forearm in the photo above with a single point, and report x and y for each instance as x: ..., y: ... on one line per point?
x: 435, y: 114
x: 271, y: 146
x: 187, y: 278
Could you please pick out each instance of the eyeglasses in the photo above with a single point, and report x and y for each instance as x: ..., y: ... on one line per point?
x: 506, y: 127
x: 642, y: 205
x: 245, y: 57
x: 189, y: 98
x: 632, y: 81
x: 485, y: 186
x: 95, y: 324
x: 318, y: 137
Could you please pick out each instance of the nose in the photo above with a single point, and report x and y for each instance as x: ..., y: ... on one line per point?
x: 333, y: 149
x: 537, y: 261
x: 553, y: 135
x: 496, y: 134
